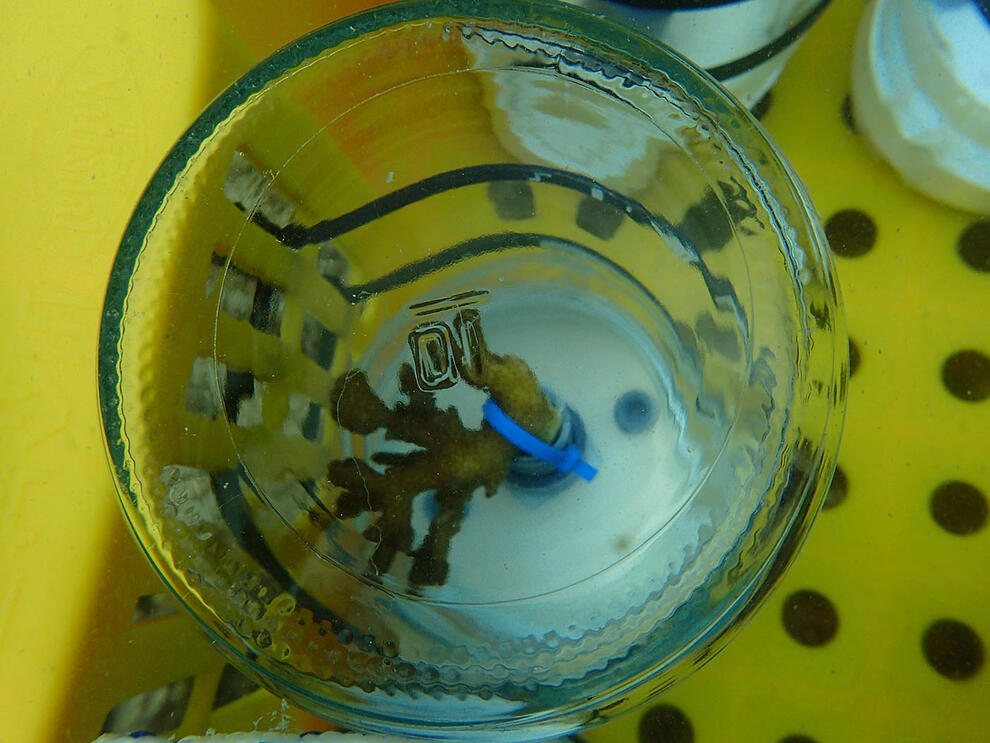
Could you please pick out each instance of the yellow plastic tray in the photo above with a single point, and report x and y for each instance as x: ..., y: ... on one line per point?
x: 880, y: 630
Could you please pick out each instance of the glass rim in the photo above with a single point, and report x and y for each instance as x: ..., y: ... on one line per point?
x: 601, y: 35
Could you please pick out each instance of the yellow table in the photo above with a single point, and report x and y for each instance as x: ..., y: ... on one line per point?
x: 880, y: 630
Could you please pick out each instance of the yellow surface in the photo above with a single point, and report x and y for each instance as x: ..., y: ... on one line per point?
x: 94, y: 95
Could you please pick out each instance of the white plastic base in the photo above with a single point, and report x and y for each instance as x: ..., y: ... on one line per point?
x: 717, y: 35
x: 921, y: 95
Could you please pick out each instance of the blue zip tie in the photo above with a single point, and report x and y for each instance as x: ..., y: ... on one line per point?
x: 563, y: 460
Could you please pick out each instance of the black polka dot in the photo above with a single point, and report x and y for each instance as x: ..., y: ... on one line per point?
x: 512, y: 199
x: 851, y: 233
x: 953, y: 649
x: 838, y: 490
x: 810, y: 618
x: 797, y: 738
x: 966, y: 374
x: 974, y: 245
x: 959, y: 508
x: 761, y: 107
x: 854, y: 357
x: 847, y: 114
x: 665, y: 723
x: 598, y: 217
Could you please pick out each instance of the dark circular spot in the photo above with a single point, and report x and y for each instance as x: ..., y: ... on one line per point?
x: 797, y: 738
x: 958, y: 507
x: 761, y: 107
x: 850, y: 232
x: 966, y: 374
x: 847, y: 113
x: 665, y: 723
x: 810, y: 618
x: 952, y: 648
x: 838, y: 490
x: 974, y: 245
x: 854, y: 357
x: 635, y: 412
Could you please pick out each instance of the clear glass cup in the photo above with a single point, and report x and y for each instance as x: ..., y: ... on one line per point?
x: 417, y: 210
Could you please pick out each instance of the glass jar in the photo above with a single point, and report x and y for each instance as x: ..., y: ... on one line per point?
x: 385, y: 229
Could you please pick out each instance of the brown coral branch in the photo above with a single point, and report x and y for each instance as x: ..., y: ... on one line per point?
x: 451, y: 461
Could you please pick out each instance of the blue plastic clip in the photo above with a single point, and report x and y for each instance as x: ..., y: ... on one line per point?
x: 563, y: 460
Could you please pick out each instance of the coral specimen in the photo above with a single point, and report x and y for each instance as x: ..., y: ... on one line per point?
x: 452, y: 461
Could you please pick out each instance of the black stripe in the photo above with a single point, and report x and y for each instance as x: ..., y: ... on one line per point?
x: 296, y: 235
x: 717, y: 286
x: 754, y: 59
x: 474, y: 247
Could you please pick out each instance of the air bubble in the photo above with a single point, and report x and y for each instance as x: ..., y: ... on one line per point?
x: 283, y: 604
x: 450, y: 675
x: 255, y: 610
